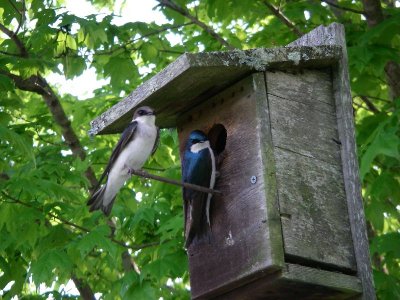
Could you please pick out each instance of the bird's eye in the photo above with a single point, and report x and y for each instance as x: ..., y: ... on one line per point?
x: 141, y: 112
x: 195, y: 141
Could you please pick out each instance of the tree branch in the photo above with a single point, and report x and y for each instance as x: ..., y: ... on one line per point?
x: 373, y: 12
x: 277, y: 13
x: 392, y: 71
x: 39, y: 85
x: 84, y: 289
x: 349, y: 9
x: 184, y: 12
x: 128, y: 263
x: 194, y: 187
x: 13, y: 36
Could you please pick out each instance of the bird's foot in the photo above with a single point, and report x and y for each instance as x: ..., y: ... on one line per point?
x: 131, y: 171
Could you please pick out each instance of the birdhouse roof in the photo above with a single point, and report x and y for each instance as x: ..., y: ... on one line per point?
x: 193, y: 78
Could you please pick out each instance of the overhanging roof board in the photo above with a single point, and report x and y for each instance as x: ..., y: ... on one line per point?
x: 193, y: 78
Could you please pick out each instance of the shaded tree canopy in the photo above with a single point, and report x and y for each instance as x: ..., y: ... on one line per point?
x: 48, y: 163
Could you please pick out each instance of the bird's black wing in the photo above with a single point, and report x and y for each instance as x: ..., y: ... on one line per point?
x: 156, y: 142
x: 126, y: 136
x: 196, y: 171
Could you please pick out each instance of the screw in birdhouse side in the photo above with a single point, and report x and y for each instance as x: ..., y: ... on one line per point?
x: 253, y: 179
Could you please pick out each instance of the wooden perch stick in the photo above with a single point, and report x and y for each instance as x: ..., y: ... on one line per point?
x: 194, y: 187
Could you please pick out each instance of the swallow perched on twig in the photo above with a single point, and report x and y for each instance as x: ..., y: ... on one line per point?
x: 198, y: 167
x: 137, y: 142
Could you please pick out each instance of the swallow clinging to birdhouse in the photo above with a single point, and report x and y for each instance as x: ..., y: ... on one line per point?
x: 198, y: 167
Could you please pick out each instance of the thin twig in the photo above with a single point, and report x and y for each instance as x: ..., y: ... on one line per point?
x: 358, y: 105
x: 356, y: 11
x: 162, y: 30
x: 184, y: 12
x: 10, y: 54
x: 283, y: 18
x: 4, y: 176
x: 155, y: 169
x: 76, y: 226
x: 22, y: 15
x: 11, y: 34
x: 171, y: 51
x: 370, y: 105
x: 156, y: 32
x: 194, y: 187
x: 15, y: 8
x: 375, y: 98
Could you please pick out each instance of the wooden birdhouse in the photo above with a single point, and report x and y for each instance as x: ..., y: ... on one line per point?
x: 290, y: 222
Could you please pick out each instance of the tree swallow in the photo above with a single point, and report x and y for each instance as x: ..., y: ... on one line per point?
x: 137, y: 142
x: 198, y: 167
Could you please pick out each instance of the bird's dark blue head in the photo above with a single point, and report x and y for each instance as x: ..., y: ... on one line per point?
x: 195, y: 137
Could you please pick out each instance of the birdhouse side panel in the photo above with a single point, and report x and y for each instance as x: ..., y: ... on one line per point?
x: 241, y: 247
x: 312, y: 197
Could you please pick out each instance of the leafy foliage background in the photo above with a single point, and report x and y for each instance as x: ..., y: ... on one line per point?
x: 48, y: 162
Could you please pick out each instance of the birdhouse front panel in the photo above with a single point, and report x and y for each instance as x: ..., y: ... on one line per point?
x: 246, y: 236
x: 312, y: 198
x: 283, y: 199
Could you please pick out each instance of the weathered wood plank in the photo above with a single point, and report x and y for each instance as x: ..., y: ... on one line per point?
x: 313, y: 207
x: 298, y: 282
x: 298, y: 128
x: 266, y: 145
x: 303, y: 119
x: 351, y: 285
x: 192, y: 78
x: 245, y: 243
x: 335, y: 35
x: 311, y: 87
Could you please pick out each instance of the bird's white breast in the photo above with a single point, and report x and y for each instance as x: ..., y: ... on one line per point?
x: 139, y: 149
x: 134, y: 155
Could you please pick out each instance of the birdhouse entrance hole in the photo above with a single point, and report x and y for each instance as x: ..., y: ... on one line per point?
x: 217, y: 136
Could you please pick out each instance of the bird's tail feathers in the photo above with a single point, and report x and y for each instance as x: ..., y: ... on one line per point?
x: 196, y: 237
x: 96, y: 201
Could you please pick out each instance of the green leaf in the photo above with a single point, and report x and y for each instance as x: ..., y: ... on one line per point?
x: 120, y: 69
x: 149, y: 52
x: 6, y: 84
x: 73, y: 66
x: 70, y: 42
x: 98, y: 238
x: 388, y: 286
x: 130, y: 279
x: 49, y: 264
x: 143, y: 291
x: 144, y: 215
x: 384, y: 32
x: 171, y: 228
x: 387, y: 243
x: 385, y: 142
x: 386, y: 187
